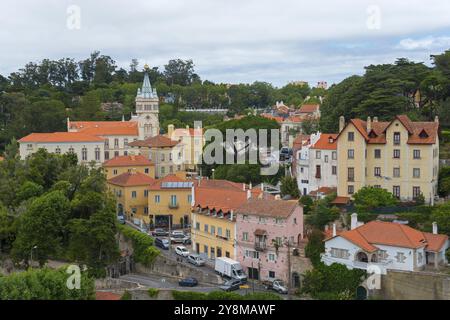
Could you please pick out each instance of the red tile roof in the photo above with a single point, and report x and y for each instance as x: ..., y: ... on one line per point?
x: 109, y: 128
x: 130, y: 160
x: 128, y: 179
x: 341, y: 200
x: 104, y: 295
x: 268, y: 207
x: 327, y: 141
x: 323, y: 190
x: 61, y: 137
x: 272, y: 117
x: 309, y: 108
x: 374, y: 233
x: 294, y: 119
x: 158, y: 141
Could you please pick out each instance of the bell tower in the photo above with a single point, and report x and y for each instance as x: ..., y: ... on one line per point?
x: 147, y: 109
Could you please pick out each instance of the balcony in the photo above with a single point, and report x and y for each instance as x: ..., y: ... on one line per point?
x: 173, y: 205
x: 260, y: 246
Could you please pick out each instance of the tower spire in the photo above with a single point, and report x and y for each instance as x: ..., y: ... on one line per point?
x: 147, y: 91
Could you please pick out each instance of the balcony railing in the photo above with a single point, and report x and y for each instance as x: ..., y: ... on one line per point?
x: 260, y: 246
x: 173, y: 205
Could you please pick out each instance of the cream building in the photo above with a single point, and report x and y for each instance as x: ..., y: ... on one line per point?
x: 400, y: 156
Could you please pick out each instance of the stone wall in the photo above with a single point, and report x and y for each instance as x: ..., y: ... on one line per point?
x: 172, y: 268
x: 401, y: 285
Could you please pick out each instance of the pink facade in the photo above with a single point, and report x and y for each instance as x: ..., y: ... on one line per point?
x: 256, y: 234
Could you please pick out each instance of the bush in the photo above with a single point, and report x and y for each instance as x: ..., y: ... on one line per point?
x: 144, y: 251
x: 126, y: 295
x: 368, y: 198
x: 152, y: 292
x: 222, y: 295
x: 315, y: 246
x: 188, y: 295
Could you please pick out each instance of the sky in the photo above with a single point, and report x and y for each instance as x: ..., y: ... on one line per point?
x: 230, y: 41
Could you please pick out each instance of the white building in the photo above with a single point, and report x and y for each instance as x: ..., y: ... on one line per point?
x: 87, y: 147
x: 385, y: 245
x: 316, y: 163
x: 115, y: 135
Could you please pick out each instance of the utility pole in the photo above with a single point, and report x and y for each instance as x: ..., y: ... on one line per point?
x: 289, y: 268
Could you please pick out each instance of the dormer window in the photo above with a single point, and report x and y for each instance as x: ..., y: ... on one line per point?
x: 372, y: 134
x: 423, y: 134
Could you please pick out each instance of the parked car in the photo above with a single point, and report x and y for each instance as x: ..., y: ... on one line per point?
x: 196, y: 260
x: 159, y: 232
x: 178, y: 238
x: 188, y: 282
x: 276, y: 285
x: 231, y: 285
x: 121, y: 219
x: 182, y: 251
x: 162, y: 243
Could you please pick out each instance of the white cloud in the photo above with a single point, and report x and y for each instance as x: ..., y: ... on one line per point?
x: 427, y: 43
x: 229, y: 40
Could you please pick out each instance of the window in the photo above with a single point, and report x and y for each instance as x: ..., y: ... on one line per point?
x: 29, y: 146
x: 416, y: 172
x: 420, y: 258
x: 278, y: 220
x: 71, y: 150
x: 170, y: 156
x: 396, y: 173
x: 213, y: 230
x: 377, y: 153
x: 382, y: 254
x: 125, y: 153
x: 116, y: 153
x: 396, y: 191
x: 350, y: 154
x: 318, y: 155
x: 205, y: 249
x: 416, y: 192
x: 262, y: 220
x: 84, y: 154
x: 58, y: 150
x: 278, y: 241
x: 163, y: 170
x: 125, y: 142
x: 272, y: 274
x: 377, y: 186
x: 339, y: 253
x: 146, y: 193
x: 350, y: 189
x: 162, y: 156
x: 416, y: 154
x: 219, y: 231
x: 171, y: 169
x: 106, y: 143
x: 197, y: 226
x: 116, y: 143
x: 396, y: 138
x: 318, y: 172
x: 146, y: 210
x: 326, y: 159
x: 189, y: 198
x: 397, y: 153
x: 350, y: 174
x: 334, y: 170
x: 157, y: 198
x: 173, y: 200
x: 106, y: 155
x: 244, y: 236
x: 146, y: 170
x: 377, y: 171
x: 351, y: 136
x: 400, y: 257
x: 334, y: 155
x: 205, y: 228
x: 133, y: 194
x: 271, y: 257
x: 228, y: 233
x: 97, y: 154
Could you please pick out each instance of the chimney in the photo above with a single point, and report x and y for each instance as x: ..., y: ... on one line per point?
x: 262, y: 186
x: 334, y: 229
x: 170, y: 129
x: 193, y: 195
x: 249, y: 194
x: 250, y: 186
x: 375, y: 119
x: 123, y: 118
x: 277, y: 197
x: 341, y: 123
x: 369, y: 124
x: 68, y: 124
x: 231, y: 215
x: 436, y: 119
x: 435, y: 228
x: 243, y: 186
x: 354, y: 221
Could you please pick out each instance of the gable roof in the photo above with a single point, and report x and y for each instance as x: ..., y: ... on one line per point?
x: 324, y: 142
x: 309, y: 108
x: 61, y: 137
x: 158, y: 141
x: 109, y: 128
x: 128, y: 179
x: 129, y: 160
x: 373, y: 233
x: 268, y: 207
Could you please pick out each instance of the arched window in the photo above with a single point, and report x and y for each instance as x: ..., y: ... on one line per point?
x: 97, y: 154
x: 84, y: 154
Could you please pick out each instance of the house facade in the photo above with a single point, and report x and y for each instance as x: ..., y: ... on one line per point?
x: 400, y: 156
x: 123, y: 164
x: 267, y: 232
x: 385, y: 246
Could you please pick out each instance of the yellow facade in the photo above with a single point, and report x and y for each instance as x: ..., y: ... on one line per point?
x: 173, y: 203
x: 132, y: 201
x: 213, y: 236
x: 165, y: 159
x: 192, y: 142
x: 400, y: 172
x: 112, y: 172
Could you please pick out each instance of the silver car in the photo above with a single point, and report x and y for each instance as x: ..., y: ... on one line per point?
x: 196, y: 260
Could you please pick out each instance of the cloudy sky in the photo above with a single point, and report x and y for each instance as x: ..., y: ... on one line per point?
x: 229, y: 40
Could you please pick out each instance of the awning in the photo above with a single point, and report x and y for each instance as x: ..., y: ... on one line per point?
x: 260, y: 232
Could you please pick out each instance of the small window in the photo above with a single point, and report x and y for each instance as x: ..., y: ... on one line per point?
x: 377, y: 153
x: 377, y: 171
x: 146, y: 193
x: 351, y: 136
x: 334, y: 170
x: 396, y: 191
x: 350, y: 174
x: 350, y: 189
x: 146, y: 170
x: 326, y: 159
x: 396, y: 138
x: 318, y: 155
x: 416, y: 172
x: 245, y: 236
x: 396, y: 173
x: 416, y: 154
x: 157, y: 198
x: 272, y: 274
x: 133, y: 194
x: 351, y: 154
x: 397, y: 153
x: 334, y: 155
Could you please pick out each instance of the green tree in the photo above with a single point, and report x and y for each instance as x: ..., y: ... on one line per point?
x: 368, y: 198
x: 289, y: 187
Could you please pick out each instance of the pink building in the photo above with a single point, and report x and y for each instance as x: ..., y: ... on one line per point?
x: 265, y: 228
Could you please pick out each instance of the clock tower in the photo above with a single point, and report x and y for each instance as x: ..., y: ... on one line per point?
x: 147, y: 109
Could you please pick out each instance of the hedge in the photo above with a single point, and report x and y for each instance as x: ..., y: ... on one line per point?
x: 144, y: 251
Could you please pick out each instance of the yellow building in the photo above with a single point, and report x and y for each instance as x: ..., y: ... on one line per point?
x: 131, y: 190
x: 166, y: 154
x: 118, y: 165
x: 400, y: 156
x: 170, y: 200
x: 213, y: 229
x: 192, y: 141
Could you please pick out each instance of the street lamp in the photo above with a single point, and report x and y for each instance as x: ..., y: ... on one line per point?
x: 213, y: 173
x: 31, y: 255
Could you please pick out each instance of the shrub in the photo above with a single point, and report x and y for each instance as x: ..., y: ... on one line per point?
x: 126, y: 295
x: 222, y: 295
x: 315, y: 246
x: 188, y: 295
x: 153, y: 292
x: 144, y: 251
